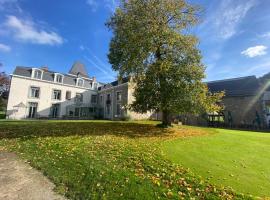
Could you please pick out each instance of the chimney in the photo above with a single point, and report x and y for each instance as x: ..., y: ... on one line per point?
x: 45, y: 68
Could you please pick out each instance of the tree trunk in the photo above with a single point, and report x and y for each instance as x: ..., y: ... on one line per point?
x: 166, y: 118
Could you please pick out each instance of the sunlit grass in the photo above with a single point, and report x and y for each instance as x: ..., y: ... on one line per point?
x: 239, y: 159
x: 108, y: 160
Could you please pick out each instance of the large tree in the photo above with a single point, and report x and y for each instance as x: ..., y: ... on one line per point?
x: 151, y: 44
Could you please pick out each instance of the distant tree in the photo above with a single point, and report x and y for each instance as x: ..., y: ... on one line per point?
x: 4, y: 90
x: 150, y: 43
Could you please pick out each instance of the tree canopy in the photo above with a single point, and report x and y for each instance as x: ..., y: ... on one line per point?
x: 151, y: 44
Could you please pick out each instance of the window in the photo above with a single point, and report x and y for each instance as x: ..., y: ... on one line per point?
x: 56, y: 95
x: 80, y: 82
x: 79, y: 98
x: 94, y: 98
x: 108, y: 100
x: 68, y: 95
x: 108, y: 109
x: 118, y: 96
x: 95, y: 86
x: 118, y: 109
x: 32, y: 109
x: 34, y: 92
x: 101, y: 99
x: 55, y: 110
x: 59, y: 78
x: 37, y: 74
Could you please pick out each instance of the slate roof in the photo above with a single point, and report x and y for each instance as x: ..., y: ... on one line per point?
x: 243, y: 86
x: 78, y: 69
x: 114, y: 83
x: 49, y: 76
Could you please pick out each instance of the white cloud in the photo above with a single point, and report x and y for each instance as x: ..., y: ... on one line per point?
x: 4, y: 48
x: 266, y: 35
x: 28, y: 31
x: 255, y: 51
x: 229, y: 15
x: 108, y: 4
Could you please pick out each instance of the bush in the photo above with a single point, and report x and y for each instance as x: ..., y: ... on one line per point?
x: 125, y: 117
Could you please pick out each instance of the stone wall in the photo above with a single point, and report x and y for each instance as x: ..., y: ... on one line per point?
x: 243, y: 109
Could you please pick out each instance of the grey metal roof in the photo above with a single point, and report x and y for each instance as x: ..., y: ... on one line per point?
x: 49, y: 76
x: 78, y: 69
x: 243, y: 86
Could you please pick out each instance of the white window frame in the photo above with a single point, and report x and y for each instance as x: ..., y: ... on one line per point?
x: 92, y: 98
x: 53, y: 95
x: 119, y: 91
x: 56, y: 75
x: 77, y: 82
x: 35, y: 70
x: 70, y: 95
x: 76, y: 99
x: 30, y: 92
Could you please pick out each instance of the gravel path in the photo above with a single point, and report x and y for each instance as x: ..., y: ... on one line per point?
x: 18, y: 180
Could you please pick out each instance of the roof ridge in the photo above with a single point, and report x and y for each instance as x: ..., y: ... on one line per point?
x: 231, y: 79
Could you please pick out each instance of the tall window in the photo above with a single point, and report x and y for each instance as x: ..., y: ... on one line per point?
x: 118, y: 96
x: 34, y: 92
x: 118, y: 109
x: 37, y: 74
x: 59, y: 78
x: 80, y: 82
x: 108, y: 109
x: 94, y: 98
x: 68, y: 95
x: 108, y: 96
x: 95, y: 86
x: 101, y: 99
x: 56, y: 95
x: 79, y: 98
x: 32, y: 109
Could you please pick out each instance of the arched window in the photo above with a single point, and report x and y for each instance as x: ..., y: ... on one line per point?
x: 80, y: 82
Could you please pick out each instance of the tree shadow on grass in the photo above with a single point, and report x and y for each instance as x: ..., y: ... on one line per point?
x: 61, y: 129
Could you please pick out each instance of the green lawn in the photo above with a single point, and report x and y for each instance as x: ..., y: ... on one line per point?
x: 239, y: 159
x: 108, y: 160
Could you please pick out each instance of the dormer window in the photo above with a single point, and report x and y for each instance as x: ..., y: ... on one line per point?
x: 80, y: 82
x: 95, y: 86
x: 58, y: 78
x: 37, y: 73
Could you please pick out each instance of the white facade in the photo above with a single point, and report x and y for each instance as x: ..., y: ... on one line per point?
x: 43, y: 94
x: 20, y: 97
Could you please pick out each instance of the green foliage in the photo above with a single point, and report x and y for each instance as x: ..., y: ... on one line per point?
x: 151, y: 45
x: 107, y: 160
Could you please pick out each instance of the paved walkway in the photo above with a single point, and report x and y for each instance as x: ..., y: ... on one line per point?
x: 20, y: 181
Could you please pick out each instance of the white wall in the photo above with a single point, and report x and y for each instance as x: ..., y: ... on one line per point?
x: 19, y: 92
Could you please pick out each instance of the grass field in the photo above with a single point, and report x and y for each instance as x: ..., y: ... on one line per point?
x: 110, y: 160
x: 239, y: 159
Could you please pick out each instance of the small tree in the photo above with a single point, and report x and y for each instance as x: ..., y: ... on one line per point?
x: 4, y: 89
x: 150, y: 44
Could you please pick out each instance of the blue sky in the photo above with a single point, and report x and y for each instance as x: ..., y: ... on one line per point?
x: 234, y: 36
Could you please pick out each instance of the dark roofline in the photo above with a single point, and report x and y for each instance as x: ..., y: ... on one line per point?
x: 231, y: 79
